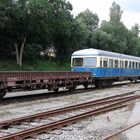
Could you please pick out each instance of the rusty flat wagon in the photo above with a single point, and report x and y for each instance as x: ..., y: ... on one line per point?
x: 42, y: 80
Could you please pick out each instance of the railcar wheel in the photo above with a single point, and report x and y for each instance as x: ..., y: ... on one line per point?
x: 98, y: 84
x: 2, y: 93
x: 110, y: 83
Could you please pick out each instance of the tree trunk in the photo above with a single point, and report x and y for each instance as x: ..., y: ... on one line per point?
x: 49, y: 59
x: 21, y: 51
x: 17, y: 53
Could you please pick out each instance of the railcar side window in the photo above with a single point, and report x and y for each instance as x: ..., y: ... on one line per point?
x: 105, y: 62
x: 133, y: 65
x: 126, y: 64
x: 136, y: 65
x: 90, y: 62
x: 130, y: 64
x: 122, y: 64
x: 111, y: 63
x: 77, y: 62
x: 116, y: 64
x: 101, y: 62
x: 139, y: 65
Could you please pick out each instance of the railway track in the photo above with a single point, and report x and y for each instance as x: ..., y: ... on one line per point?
x: 93, y: 108
x: 39, y: 96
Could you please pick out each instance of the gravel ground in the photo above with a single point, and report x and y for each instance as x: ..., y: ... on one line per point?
x: 94, y: 128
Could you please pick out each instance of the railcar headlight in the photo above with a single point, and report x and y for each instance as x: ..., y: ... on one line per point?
x: 72, y: 69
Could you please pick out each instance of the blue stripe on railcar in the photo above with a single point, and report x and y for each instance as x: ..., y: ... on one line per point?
x: 108, y: 72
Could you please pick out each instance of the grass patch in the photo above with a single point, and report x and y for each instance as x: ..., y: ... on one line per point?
x: 37, y: 65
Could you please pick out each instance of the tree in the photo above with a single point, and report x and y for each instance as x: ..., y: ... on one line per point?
x: 88, y: 20
x: 101, y: 40
x: 35, y: 24
x: 61, y: 28
x: 88, y: 23
x: 135, y: 29
x: 25, y: 21
x: 115, y: 13
x: 113, y: 32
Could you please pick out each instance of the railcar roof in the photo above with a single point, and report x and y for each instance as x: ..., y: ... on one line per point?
x: 96, y: 52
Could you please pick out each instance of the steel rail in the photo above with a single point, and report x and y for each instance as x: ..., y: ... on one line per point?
x: 124, y: 129
x: 66, y: 109
x: 70, y: 120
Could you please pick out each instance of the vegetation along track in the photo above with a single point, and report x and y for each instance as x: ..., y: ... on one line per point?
x: 101, y: 106
x: 33, y: 97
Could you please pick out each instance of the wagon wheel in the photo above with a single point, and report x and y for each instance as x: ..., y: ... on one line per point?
x: 9, y: 89
x: 72, y: 88
x: 85, y: 85
x: 55, y: 90
x: 2, y: 93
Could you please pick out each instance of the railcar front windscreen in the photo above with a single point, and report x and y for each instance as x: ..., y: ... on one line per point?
x: 77, y: 62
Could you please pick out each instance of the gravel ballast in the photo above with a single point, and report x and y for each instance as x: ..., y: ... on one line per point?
x: 93, y: 128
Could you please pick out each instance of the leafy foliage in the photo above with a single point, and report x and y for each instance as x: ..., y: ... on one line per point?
x: 28, y: 27
x: 88, y: 20
x: 115, y: 13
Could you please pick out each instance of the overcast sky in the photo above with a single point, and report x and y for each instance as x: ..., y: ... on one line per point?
x: 131, y: 9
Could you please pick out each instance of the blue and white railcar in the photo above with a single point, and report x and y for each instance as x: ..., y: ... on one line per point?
x: 106, y: 67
